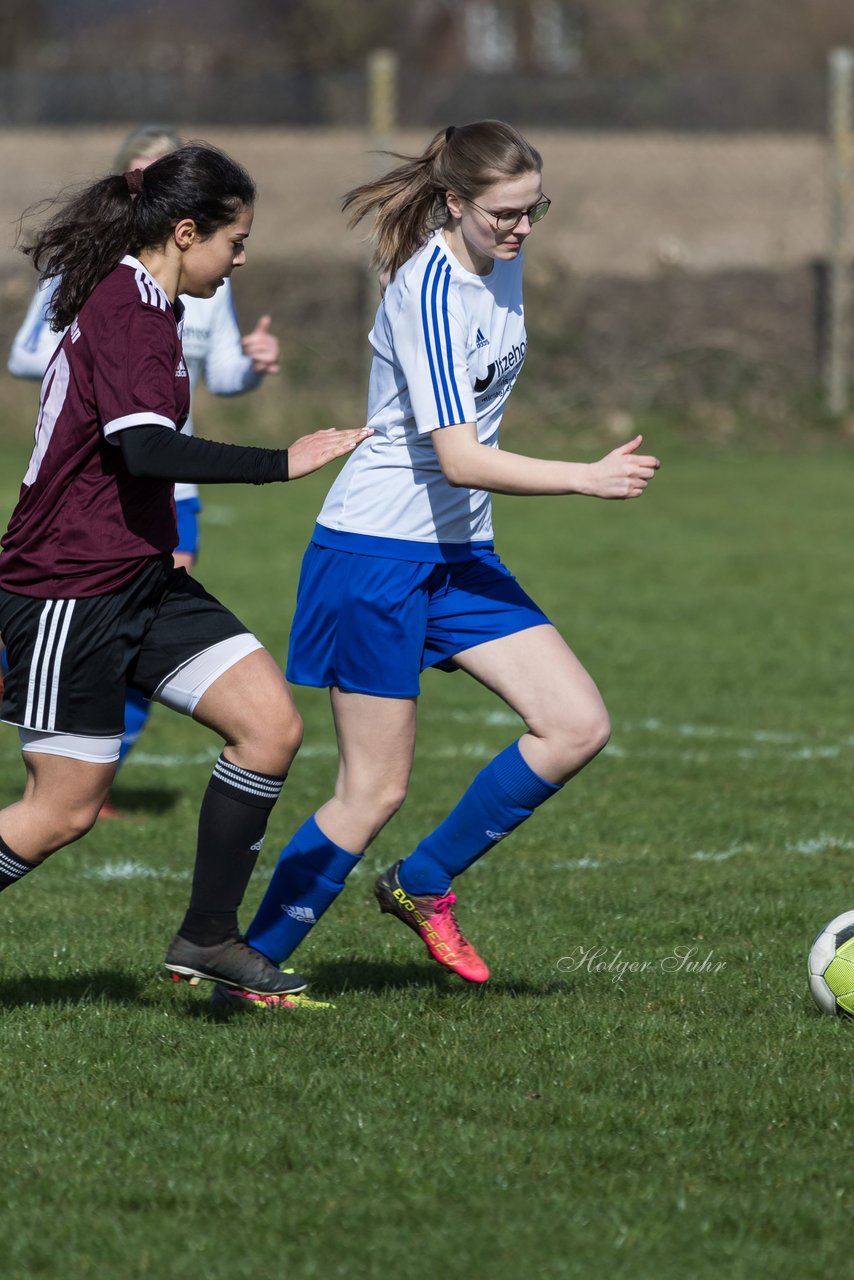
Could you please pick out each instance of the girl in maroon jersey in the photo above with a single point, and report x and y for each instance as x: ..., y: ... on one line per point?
x: 90, y: 602
x: 213, y: 350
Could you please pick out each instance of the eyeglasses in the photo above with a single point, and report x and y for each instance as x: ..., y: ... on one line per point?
x: 509, y: 220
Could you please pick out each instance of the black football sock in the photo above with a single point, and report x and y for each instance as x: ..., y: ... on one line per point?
x: 11, y: 866
x: 232, y: 823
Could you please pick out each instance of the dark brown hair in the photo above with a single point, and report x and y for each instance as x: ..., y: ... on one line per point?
x: 95, y: 227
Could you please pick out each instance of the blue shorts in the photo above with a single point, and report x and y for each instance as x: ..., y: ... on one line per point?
x: 367, y: 624
x: 187, y: 512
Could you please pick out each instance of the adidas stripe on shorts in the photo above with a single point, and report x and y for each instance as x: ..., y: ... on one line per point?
x: 70, y: 660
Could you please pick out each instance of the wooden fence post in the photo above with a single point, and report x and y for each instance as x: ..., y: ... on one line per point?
x: 840, y: 157
x: 382, y: 122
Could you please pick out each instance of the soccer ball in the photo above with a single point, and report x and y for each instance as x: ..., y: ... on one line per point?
x: 831, y: 966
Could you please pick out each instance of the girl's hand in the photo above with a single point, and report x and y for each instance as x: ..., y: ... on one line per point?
x: 310, y: 453
x: 262, y: 347
x: 623, y: 473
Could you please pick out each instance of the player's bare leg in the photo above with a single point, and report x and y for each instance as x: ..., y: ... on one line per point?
x: 250, y: 706
x: 60, y: 803
x: 539, y: 677
x: 376, y: 738
x: 376, y: 743
x: 536, y: 674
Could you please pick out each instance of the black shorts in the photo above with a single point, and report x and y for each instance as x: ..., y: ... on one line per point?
x: 71, y: 661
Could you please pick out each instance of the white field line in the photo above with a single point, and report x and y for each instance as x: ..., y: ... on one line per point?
x: 466, y: 750
x: 689, y: 730
x: 651, y: 724
x: 819, y: 844
x: 809, y: 847
x: 718, y: 740
x: 215, y: 514
x: 486, y: 750
x: 722, y: 856
x: 133, y: 870
x: 148, y: 758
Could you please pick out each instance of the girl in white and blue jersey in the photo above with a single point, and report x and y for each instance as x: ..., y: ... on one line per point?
x: 401, y: 573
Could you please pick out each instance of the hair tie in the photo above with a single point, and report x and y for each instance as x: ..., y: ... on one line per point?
x: 452, y: 128
x: 134, y: 180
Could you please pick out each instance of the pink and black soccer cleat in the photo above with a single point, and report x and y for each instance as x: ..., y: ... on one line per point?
x: 430, y: 916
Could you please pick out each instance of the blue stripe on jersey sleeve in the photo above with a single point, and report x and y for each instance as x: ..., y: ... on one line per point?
x: 445, y: 408
x: 448, y: 348
x: 437, y: 339
x: 426, y: 326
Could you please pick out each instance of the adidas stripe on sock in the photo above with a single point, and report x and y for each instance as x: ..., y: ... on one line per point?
x: 12, y: 867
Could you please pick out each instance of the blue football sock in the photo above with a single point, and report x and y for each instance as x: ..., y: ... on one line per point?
x: 502, y: 796
x: 307, y: 879
x: 137, y: 711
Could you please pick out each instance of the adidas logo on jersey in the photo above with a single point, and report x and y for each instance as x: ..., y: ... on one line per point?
x: 304, y: 914
x: 481, y: 340
x: 181, y: 371
x: 256, y: 847
x: 75, y: 331
x: 497, y: 835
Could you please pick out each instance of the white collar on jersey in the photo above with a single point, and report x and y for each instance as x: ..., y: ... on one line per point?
x: 141, y: 270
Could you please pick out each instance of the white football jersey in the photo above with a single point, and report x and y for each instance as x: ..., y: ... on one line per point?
x: 448, y: 347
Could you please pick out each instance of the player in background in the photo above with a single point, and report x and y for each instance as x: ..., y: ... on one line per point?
x: 401, y: 573
x: 213, y: 350
x: 90, y: 601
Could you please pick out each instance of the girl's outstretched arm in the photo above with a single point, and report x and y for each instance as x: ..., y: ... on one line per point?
x: 466, y: 463
x: 157, y: 452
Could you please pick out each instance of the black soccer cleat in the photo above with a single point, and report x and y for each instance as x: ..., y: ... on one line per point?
x: 232, y: 963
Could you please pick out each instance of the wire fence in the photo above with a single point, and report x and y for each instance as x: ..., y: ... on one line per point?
x: 698, y: 102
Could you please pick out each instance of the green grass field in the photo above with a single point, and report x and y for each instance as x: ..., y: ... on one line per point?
x: 644, y: 1090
